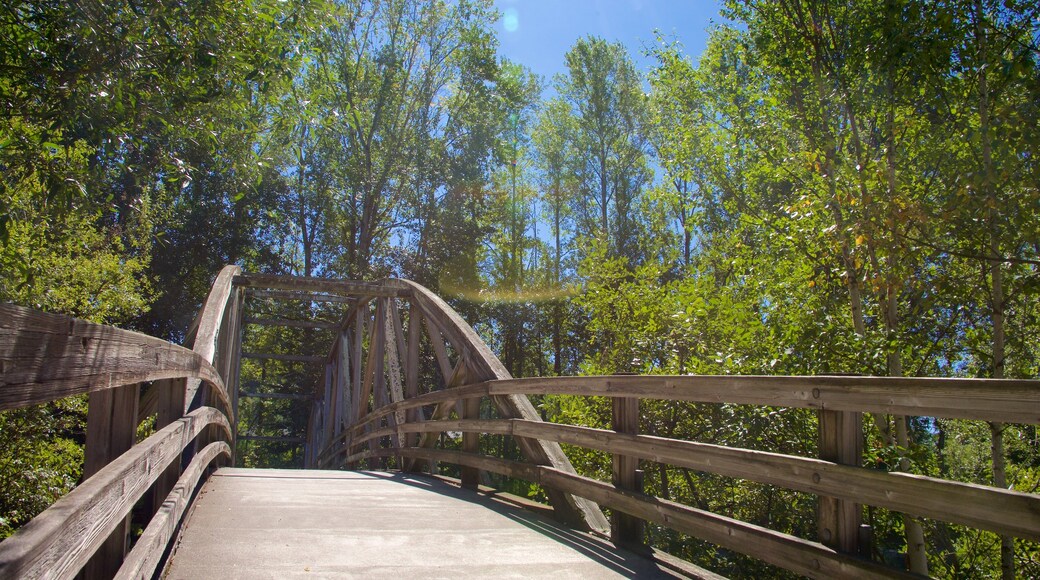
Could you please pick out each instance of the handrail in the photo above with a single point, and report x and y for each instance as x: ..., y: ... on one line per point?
x: 44, y: 357
x: 61, y: 540
x: 1002, y: 511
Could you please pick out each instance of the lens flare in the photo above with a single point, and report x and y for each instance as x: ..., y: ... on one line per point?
x: 510, y: 20
x: 532, y: 295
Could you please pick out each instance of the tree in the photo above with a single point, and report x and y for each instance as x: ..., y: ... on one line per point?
x: 606, y: 101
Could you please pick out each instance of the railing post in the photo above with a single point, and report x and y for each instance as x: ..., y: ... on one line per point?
x: 626, y: 529
x: 170, y: 407
x: 841, y: 441
x: 111, y: 429
x: 470, y: 442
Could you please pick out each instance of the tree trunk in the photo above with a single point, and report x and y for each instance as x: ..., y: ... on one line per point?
x: 1007, y: 543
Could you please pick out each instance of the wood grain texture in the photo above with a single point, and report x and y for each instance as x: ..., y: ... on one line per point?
x: 312, y: 284
x: 141, y: 562
x: 207, y: 331
x: 59, y: 541
x: 45, y: 356
x: 1008, y: 400
x: 282, y: 295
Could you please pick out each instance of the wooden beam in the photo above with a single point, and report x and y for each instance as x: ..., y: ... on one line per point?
x: 300, y: 296
x: 624, y: 528
x: 312, y: 284
x: 1007, y: 400
x: 111, y: 429
x: 841, y: 442
x: 979, y: 506
x: 319, y: 324
x: 45, y: 356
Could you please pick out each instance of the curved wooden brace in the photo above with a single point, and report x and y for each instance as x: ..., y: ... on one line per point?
x: 60, y: 541
x: 206, y: 330
x: 45, y: 356
x: 482, y: 365
x: 142, y: 560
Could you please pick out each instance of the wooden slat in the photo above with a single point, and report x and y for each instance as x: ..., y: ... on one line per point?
x: 44, y: 357
x: 979, y: 506
x: 311, y: 284
x: 299, y: 296
x: 143, y: 559
x: 58, y: 542
x: 1008, y: 400
x: 790, y: 552
x: 284, y: 357
x: 319, y: 324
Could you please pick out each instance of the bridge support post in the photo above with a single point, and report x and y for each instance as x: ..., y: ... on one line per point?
x: 111, y: 429
x: 841, y: 441
x: 470, y: 442
x: 624, y: 528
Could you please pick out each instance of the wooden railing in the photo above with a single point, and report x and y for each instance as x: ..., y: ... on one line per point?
x: 128, y: 377
x: 371, y: 409
x: 379, y: 401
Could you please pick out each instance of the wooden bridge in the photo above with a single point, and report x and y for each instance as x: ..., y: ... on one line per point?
x: 376, y: 409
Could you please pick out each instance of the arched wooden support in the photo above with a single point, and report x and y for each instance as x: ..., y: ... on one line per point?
x: 382, y: 359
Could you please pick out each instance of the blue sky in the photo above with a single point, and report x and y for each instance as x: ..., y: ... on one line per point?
x: 537, y: 33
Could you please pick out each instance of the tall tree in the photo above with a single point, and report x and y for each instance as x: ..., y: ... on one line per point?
x: 606, y: 100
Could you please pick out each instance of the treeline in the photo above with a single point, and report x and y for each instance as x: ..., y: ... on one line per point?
x: 831, y: 187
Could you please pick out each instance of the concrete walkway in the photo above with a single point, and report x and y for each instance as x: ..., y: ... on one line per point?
x: 253, y: 523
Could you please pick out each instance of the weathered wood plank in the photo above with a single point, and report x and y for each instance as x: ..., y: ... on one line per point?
x: 625, y: 529
x: 58, y: 542
x: 312, y: 284
x: 482, y: 364
x: 111, y: 429
x: 141, y: 562
x: 299, y: 296
x: 170, y: 408
x: 1008, y: 400
x: 45, y: 356
x: 841, y: 437
x: 205, y: 334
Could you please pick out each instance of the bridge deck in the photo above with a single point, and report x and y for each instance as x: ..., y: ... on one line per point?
x: 252, y: 523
